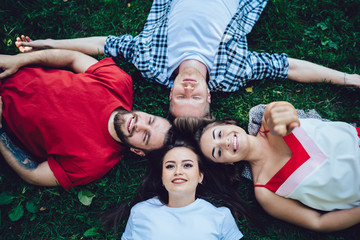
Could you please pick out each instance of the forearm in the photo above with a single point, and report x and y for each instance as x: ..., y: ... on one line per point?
x: 90, y: 45
x: 339, y: 220
x: 24, y: 165
x: 296, y: 213
x: 54, y: 58
x: 304, y: 71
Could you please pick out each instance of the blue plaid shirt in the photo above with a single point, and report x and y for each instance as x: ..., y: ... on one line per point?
x: 234, y: 65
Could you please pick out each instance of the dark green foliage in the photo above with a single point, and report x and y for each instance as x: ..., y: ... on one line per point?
x: 325, y: 32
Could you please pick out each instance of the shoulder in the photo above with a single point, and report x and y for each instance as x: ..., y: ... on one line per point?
x: 263, y: 195
x: 146, y: 205
x: 210, y: 208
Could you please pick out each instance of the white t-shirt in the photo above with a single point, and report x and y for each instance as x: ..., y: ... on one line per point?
x: 195, y: 29
x: 200, y: 220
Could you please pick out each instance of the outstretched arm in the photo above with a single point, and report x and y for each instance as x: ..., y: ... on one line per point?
x: 304, y: 71
x: 90, y: 45
x: 54, y: 58
x: 23, y: 164
x: 280, y: 118
x: 294, y: 212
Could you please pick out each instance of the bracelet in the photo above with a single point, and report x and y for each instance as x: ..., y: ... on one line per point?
x: 344, y: 79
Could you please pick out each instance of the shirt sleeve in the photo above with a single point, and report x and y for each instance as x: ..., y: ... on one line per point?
x: 229, y: 230
x: 120, y: 47
x: 127, y: 235
x: 264, y: 65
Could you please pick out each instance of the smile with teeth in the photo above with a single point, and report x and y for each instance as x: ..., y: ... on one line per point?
x: 131, y: 123
x: 235, y: 142
x: 179, y: 180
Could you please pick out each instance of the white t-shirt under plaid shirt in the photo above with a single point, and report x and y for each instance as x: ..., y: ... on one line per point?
x: 234, y: 66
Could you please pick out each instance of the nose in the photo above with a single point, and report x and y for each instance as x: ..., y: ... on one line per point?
x: 178, y: 171
x: 141, y: 126
x: 225, y: 142
x: 188, y: 85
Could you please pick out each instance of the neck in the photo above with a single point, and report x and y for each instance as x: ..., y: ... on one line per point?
x: 257, y: 150
x: 199, y: 66
x: 180, y: 200
x: 111, y: 127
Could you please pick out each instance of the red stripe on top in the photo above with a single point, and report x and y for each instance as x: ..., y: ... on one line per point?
x: 300, y: 157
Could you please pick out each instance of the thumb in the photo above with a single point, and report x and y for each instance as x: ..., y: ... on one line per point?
x: 5, y: 74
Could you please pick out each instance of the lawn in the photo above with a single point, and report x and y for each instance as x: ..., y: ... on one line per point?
x: 323, y: 31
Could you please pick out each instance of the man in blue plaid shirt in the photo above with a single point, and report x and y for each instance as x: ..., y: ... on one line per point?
x: 193, y: 52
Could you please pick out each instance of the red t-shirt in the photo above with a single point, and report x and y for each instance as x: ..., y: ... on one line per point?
x: 62, y: 117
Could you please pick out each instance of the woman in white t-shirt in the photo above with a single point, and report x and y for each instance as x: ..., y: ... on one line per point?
x: 168, y: 203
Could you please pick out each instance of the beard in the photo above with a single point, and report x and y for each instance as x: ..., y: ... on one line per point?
x: 119, y: 120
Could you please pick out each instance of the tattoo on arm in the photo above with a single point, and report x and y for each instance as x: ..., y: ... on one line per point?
x: 21, y: 156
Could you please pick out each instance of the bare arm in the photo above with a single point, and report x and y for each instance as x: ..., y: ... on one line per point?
x: 280, y: 118
x: 304, y: 71
x: 23, y: 164
x: 301, y: 215
x: 76, y: 61
x: 90, y: 45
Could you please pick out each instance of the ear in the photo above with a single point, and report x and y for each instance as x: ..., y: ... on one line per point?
x: 201, y: 177
x: 138, y: 152
x: 208, y: 96
x: 170, y: 95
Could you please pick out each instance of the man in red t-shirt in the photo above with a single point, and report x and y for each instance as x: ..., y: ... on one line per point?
x: 73, y: 124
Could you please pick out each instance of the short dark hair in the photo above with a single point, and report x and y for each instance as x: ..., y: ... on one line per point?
x: 207, y: 112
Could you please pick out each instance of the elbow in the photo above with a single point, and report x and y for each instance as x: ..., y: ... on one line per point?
x: 30, y: 179
x: 319, y: 226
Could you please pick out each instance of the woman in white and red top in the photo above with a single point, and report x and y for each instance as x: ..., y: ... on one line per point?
x: 298, y: 166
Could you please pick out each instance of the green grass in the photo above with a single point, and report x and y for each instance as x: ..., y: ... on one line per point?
x: 325, y: 32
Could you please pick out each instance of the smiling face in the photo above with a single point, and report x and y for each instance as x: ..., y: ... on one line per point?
x: 189, y: 95
x: 225, y: 143
x: 141, y: 130
x: 180, y: 172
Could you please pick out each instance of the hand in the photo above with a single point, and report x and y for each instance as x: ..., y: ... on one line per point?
x: 352, y: 80
x: 25, y: 44
x: 282, y: 119
x: 8, y: 65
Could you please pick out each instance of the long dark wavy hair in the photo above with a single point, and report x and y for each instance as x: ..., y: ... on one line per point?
x: 215, y: 188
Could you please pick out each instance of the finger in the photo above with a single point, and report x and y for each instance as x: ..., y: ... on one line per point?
x: 280, y: 129
x: 293, y: 125
x: 3, y: 74
x: 18, y: 42
x: 28, y: 39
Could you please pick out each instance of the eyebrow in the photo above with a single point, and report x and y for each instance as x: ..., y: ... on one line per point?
x: 148, y: 138
x: 213, y: 150
x: 173, y: 161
